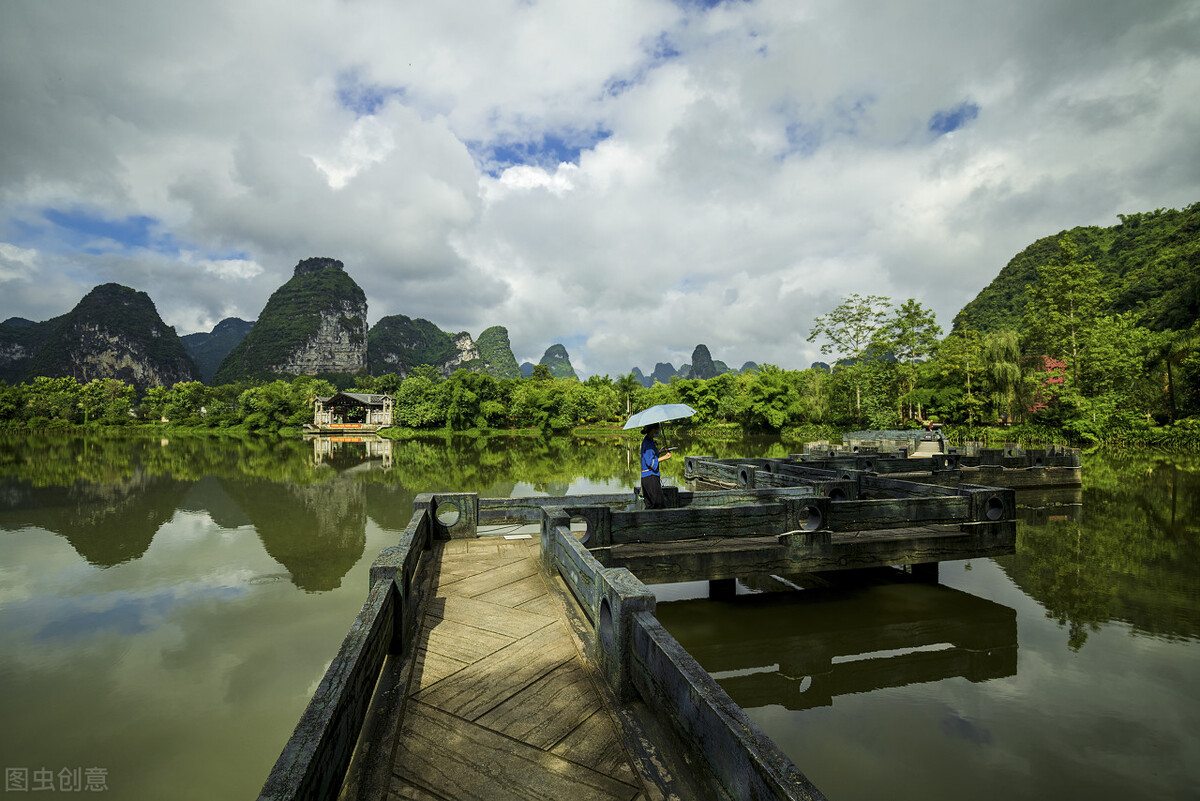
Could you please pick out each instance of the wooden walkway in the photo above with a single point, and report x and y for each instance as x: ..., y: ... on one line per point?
x: 500, y: 705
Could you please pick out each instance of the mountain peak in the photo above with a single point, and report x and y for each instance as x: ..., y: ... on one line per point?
x: 317, y: 264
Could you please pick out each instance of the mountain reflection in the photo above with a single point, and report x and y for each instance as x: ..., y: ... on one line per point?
x: 106, y: 524
x: 317, y: 532
x: 801, y: 650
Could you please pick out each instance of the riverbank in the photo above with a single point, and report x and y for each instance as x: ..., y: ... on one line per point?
x: 1183, y: 435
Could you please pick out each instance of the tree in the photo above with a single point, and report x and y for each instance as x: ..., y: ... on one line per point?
x: 1172, y: 349
x: 912, y: 334
x: 960, y: 359
x: 850, y: 329
x: 1063, y: 306
x: 626, y: 386
x: 1002, y: 365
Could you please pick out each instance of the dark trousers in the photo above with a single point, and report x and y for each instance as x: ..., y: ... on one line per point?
x: 652, y: 493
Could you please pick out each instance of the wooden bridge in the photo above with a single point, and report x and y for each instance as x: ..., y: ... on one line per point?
x: 486, y: 667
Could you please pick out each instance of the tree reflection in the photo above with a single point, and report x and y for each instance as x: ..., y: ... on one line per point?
x: 1132, y: 555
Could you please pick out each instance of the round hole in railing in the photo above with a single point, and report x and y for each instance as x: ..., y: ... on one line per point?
x: 805, y: 684
x: 856, y: 449
x: 837, y: 494
x: 868, y: 465
x: 810, y: 518
x: 608, y: 634
x: 1039, y: 462
x: 833, y: 453
x: 448, y: 513
x: 995, y: 508
x: 579, y: 527
x: 846, y: 477
x: 743, y: 476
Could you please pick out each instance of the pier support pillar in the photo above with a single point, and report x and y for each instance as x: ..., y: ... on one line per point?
x: 927, y: 572
x: 722, y: 589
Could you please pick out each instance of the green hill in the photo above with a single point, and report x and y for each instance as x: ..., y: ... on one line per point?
x: 20, y: 341
x: 496, y: 351
x: 559, y: 362
x: 313, y: 324
x: 397, y: 344
x: 208, y: 350
x: 1151, y: 261
x: 113, y: 332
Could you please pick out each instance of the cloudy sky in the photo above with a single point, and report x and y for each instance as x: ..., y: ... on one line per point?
x: 626, y: 177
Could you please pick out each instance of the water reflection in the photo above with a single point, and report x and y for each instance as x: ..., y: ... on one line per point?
x: 106, y: 523
x: 801, y: 650
x: 357, y: 453
x: 1131, y: 552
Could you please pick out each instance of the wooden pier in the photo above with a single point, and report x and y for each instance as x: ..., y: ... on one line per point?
x: 481, y: 667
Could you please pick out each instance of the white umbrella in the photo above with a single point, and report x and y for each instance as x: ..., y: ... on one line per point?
x: 659, y: 414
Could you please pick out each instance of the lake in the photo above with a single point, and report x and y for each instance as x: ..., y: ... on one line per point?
x: 168, y: 605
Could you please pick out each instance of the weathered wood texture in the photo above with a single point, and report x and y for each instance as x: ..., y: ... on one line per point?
x: 501, y: 706
x: 737, y: 557
x: 741, y: 761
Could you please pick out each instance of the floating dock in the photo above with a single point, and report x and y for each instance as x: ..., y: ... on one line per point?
x: 483, y: 667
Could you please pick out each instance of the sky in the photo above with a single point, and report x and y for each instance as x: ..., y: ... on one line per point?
x: 629, y: 178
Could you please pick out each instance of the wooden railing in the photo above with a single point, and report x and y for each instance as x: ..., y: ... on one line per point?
x: 314, y: 761
x: 640, y: 660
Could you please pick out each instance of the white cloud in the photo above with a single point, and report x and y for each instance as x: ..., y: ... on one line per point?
x: 743, y: 168
x: 367, y: 142
x: 16, y: 263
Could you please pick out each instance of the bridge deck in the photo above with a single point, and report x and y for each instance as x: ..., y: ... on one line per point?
x: 500, y: 704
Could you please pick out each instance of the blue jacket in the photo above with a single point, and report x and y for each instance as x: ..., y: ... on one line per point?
x: 649, y: 457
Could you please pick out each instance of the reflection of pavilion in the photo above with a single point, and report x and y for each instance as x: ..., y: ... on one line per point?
x: 348, y: 452
x: 801, y: 652
x: 351, y: 411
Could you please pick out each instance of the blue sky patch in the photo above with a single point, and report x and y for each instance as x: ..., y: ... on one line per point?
x: 548, y: 151
x: 363, y: 98
x: 80, y: 231
x: 949, y: 120
x: 664, y: 48
x: 705, y: 4
x: 84, y: 231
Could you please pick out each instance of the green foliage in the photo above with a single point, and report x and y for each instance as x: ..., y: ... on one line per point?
x: 559, y: 363
x: 496, y: 352
x: 1150, y: 261
x: 398, y: 344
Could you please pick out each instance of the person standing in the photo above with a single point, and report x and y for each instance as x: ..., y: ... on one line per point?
x: 652, y: 492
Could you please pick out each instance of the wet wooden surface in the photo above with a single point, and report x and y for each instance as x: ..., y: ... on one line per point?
x: 500, y: 705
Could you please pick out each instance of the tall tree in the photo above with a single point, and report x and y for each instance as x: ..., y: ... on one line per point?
x: 626, y: 386
x: 960, y: 357
x: 912, y: 333
x: 851, y: 329
x: 1172, y: 349
x: 1002, y: 358
x: 1063, y: 306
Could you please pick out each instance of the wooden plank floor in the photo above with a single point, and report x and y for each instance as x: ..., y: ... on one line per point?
x: 500, y: 705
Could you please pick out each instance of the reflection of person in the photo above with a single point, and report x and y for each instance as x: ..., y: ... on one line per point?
x: 651, y: 481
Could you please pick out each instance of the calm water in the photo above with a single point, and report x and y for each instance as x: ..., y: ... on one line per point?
x: 168, y: 606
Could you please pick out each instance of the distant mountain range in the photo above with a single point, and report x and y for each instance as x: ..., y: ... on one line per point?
x: 316, y: 323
